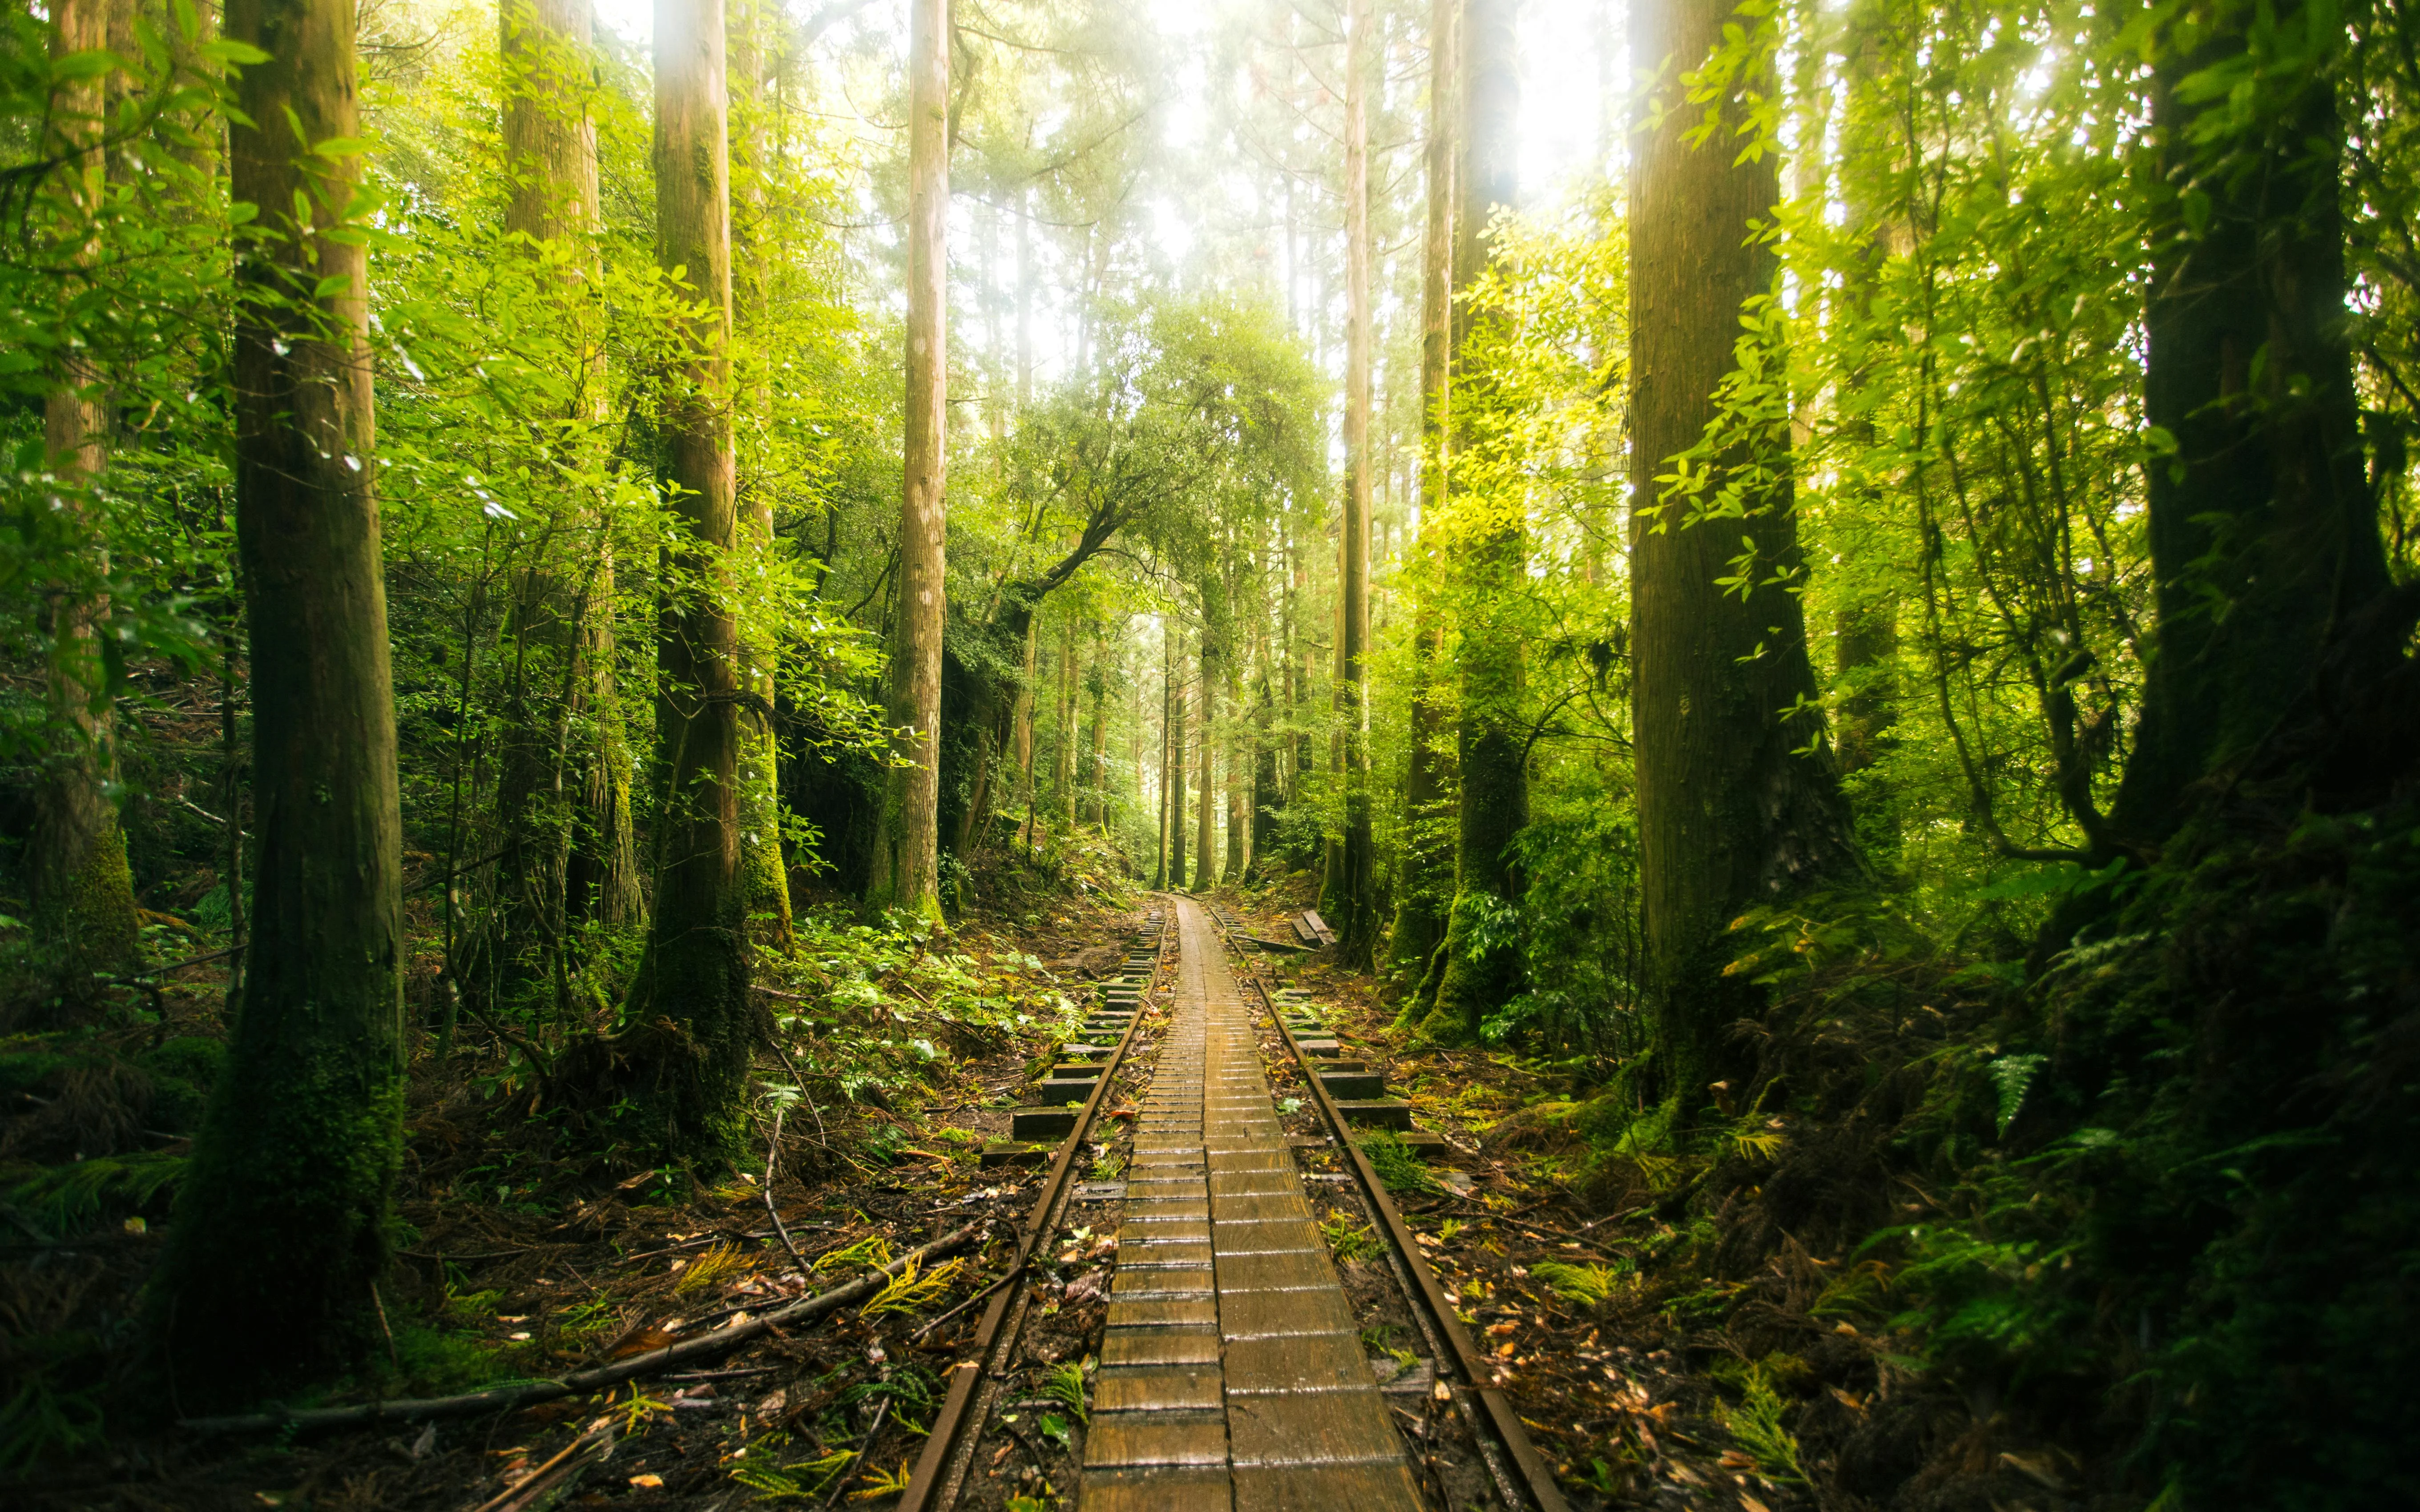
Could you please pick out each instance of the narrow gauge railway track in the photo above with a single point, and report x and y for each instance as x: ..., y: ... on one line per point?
x: 1232, y: 1370
x: 1520, y: 1475
x: 977, y: 1380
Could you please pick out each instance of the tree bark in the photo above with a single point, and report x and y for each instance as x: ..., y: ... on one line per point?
x: 1738, y: 801
x: 906, y: 873
x: 1096, y: 775
x: 1205, y: 863
x: 83, y: 889
x: 282, y: 1226
x: 1063, y: 769
x: 1177, y: 694
x: 1238, y: 830
x: 690, y: 1060
x: 1021, y: 712
x: 563, y: 791
x: 763, y: 872
x: 2264, y: 531
x: 1268, y: 796
x: 1358, y: 928
x: 1424, y: 870
x: 1480, y: 962
x: 1167, y: 725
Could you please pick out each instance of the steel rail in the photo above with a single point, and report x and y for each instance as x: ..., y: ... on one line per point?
x: 941, y: 1470
x: 1502, y: 1436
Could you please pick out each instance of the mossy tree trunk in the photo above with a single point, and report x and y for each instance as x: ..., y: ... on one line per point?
x: 763, y: 871
x: 1268, y: 795
x: 1177, y: 694
x: 1355, y: 857
x: 1167, y: 729
x: 563, y: 789
x: 1738, y: 799
x: 282, y: 1228
x: 1097, y: 687
x: 1062, y: 767
x: 1479, y: 966
x: 689, y: 1053
x: 1424, y: 870
x: 83, y: 891
x: 2264, y: 531
x: 906, y: 871
x: 1205, y: 862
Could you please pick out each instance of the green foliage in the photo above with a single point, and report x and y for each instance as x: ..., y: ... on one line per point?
x: 71, y: 1198
x: 1347, y: 1240
x: 1754, y: 1424
x: 1064, y: 1385
x: 1396, y: 1166
x: 2012, y: 1075
x: 1590, y: 1286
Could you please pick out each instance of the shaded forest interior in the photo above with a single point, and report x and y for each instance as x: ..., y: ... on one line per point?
x: 605, y: 611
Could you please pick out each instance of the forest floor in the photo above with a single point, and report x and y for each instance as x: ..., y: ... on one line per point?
x: 1648, y: 1373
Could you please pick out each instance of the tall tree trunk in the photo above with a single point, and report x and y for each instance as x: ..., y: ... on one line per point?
x: 1424, y: 872
x: 1176, y: 751
x: 1238, y: 778
x: 693, y: 984
x: 1268, y: 796
x: 2264, y: 531
x: 1021, y: 712
x: 1866, y: 637
x: 1096, y: 774
x: 1358, y: 929
x: 83, y: 891
x: 1306, y: 755
x: 601, y: 879
x: 1480, y: 962
x: 906, y: 871
x: 282, y: 1226
x: 1167, y: 748
x: 1737, y: 797
x: 1206, y: 864
x: 563, y: 791
x: 763, y: 872
x: 1062, y: 771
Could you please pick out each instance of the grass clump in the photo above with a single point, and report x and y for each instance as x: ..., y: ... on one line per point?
x: 1396, y: 1166
x: 1347, y: 1240
x: 1589, y: 1285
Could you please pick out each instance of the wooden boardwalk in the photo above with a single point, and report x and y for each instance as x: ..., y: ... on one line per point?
x: 1232, y: 1374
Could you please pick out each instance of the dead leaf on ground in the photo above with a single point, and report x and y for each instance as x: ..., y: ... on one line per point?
x: 638, y: 1341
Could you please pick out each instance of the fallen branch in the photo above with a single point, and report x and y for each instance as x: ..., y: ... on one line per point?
x: 772, y: 1157
x: 529, y: 1393
x: 555, y: 1473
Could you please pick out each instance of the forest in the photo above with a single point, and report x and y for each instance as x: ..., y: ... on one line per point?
x: 1801, y: 615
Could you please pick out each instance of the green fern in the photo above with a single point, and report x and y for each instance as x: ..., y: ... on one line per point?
x: 2013, y: 1075
x: 1755, y: 1424
x: 1590, y: 1286
x: 1065, y: 1385
x: 72, y: 1197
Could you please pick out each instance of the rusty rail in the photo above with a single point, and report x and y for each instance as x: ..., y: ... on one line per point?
x: 941, y: 1470
x: 1522, y: 1476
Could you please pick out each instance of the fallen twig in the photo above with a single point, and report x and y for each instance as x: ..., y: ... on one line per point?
x: 529, y: 1393
x: 772, y: 1157
x: 546, y: 1477
x: 1014, y: 1271
x: 851, y: 1468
